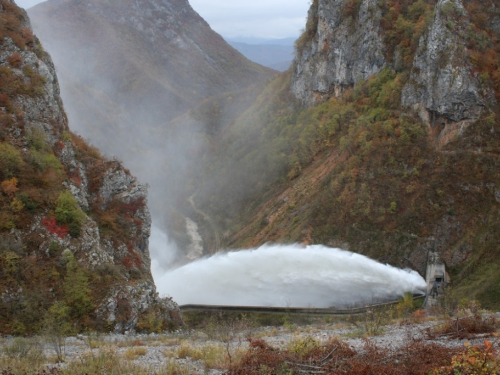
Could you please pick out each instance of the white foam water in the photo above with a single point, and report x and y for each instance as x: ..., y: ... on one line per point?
x: 288, y: 276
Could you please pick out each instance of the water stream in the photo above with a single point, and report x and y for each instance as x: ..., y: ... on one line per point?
x: 287, y: 276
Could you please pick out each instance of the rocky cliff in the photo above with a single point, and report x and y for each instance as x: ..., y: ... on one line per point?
x: 342, y: 44
x: 350, y: 41
x: 74, y: 226
x: 443, y: 87
x: 383, y: 139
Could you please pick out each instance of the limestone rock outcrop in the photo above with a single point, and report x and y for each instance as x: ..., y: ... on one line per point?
x: 343, y: 45
x: 341, y: 50
x: 60, y: 196
x: 443, y: 87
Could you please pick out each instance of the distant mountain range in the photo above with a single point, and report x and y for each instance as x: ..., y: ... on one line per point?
x: 277, y: 56
x: 263, y: 41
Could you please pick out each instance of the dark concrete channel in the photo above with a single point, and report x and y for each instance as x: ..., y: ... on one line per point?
x: 293, y: 310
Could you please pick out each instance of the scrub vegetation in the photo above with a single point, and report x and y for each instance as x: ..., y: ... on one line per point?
x: 238, y: 344
x: 361, y: 171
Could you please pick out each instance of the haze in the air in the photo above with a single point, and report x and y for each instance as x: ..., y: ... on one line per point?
x: 272, y: 19
x: 167, y: 152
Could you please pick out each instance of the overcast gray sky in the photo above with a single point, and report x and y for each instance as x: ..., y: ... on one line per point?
x: 256, y: 18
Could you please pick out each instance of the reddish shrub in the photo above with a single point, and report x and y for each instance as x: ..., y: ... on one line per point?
x: 76, y: 179
x: 74, y: 175
x: 138, y: 223
x: 132, y: 260
x: 466, y: 327
x: 133, y: 206
x: 15, y: 60
x: 336, y: 357
x: 475, y: 360
x: 4, y: 100
x: 53, y: 228
x: 28, y: 36
x: 58, y: 147
x: 128, y: 262
x: 9, y: 187
x: 419, y: 314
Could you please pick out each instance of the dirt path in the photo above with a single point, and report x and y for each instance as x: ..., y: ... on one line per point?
x: 208, y: 219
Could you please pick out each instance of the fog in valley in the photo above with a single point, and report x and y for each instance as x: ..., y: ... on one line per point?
x: 163, y: 131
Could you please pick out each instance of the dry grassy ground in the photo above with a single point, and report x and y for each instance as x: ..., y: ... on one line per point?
x: 222, y: 345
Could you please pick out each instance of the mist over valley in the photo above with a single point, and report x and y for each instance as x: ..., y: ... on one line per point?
x: 252, y: 156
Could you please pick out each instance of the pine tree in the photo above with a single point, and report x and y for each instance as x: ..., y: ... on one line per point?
x: 76, y: 288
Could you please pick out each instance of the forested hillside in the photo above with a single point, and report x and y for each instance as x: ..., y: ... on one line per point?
x: 383, y: 138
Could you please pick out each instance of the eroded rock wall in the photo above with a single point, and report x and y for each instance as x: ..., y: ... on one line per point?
x: 113, y: 227
x: 443, y: 87
x: 345, y: 45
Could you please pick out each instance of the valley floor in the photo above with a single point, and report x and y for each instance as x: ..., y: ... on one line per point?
x: 212, y: 349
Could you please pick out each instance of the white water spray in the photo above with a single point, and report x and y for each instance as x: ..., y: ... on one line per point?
x: 163, y: 252
x: 288, y: 276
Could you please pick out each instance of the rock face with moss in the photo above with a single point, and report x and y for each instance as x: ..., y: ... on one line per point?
x: 443, y: 86
x: 342, y: 44
x: 346, y: 42
x: 61, y: 200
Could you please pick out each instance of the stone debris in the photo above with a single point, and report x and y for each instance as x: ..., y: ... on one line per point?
x: 161, y: 347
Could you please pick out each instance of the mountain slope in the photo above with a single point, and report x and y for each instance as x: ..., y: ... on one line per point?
x: 384, y: 139
x: 128, y: 67
x: 74, y: 226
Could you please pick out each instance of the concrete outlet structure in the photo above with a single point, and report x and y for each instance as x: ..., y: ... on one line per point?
x: 436, y: 278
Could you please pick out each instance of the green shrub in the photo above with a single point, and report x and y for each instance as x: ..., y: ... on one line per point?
x: 57, y: 327
x: 11, y: 161
x: 55, y: 249
x: 29, y: 204
x: 405, y: 305
x: 450, y: 9
x: 6, y: 220
x: 302, y: 346
x: 310, y: 30
x: 42, y: 161
x: 26, y: 349
x: 37, y: 140
x: 68, y: 213
x: 76, y: 288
